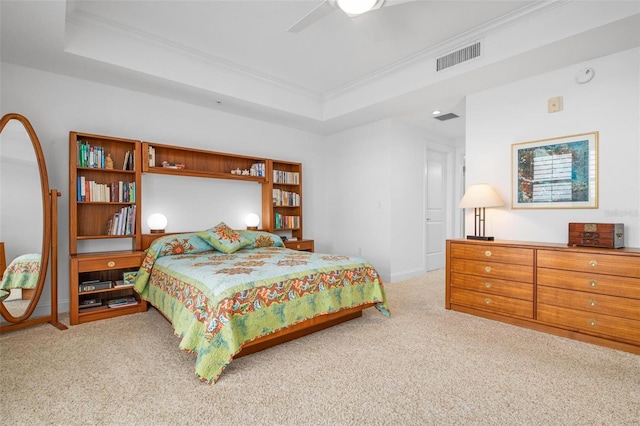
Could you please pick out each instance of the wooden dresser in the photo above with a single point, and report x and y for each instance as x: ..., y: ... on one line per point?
x: 584, y: 293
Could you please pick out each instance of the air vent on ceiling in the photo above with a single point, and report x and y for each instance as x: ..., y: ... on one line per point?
x: 461, y: 55
x: 445, y: 117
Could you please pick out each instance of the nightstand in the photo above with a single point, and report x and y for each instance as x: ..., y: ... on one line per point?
x: 95, y: 269
x: 301, y: 245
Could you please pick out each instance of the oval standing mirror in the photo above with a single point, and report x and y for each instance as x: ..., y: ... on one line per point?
x: 25, y: 228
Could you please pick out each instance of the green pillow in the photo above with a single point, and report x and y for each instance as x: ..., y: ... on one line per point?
x: 261, y: 239
x: 223, y: 238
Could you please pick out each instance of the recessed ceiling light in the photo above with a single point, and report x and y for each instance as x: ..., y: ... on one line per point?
x: 436, y: 112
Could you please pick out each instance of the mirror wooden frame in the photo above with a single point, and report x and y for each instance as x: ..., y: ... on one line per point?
x: 49, y: 242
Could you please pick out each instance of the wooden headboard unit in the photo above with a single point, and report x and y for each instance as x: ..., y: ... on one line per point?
x: 147, y: 239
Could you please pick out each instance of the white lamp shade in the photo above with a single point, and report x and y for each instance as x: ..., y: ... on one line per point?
x: 157, y: 222
x: 480, y: 195
x: 356, y: 7
x: 252, y: 220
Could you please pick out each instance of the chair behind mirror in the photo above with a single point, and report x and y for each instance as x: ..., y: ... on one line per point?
x: 28, y: 229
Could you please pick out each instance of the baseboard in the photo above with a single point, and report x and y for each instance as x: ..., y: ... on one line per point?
x: 406, y: 275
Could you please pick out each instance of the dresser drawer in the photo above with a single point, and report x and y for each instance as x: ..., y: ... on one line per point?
x: 590, y: 323
x: 518, y: 290
x: 590, y: 282
x: 517, y: 256
x: 492, y: 270
x: 620, y: 265
x: 491, y: 302
x: 107, y: 262
x: 590, y: 302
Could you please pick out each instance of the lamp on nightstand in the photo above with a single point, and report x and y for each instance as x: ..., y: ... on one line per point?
x: 157, y: 223
x: 252, y: 220
x: 479, y: 196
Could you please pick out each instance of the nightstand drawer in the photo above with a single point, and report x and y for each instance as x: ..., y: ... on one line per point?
x: 302, y: 245
x: 107, y: 261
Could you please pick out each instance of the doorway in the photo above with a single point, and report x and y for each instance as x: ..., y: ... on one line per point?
x: 439, y: 214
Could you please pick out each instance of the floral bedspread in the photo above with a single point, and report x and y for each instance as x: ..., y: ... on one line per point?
x: 22, y: 272
x: 217, y: 302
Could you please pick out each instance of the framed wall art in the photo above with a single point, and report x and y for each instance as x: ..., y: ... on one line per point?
x: 555, y: 173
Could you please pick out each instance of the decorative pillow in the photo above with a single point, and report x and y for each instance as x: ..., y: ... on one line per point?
x: 224, y: 239
x: 176, y: 244
x: 261, y: 239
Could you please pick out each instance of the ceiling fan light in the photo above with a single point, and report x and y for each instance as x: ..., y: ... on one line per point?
x: 356, y: 7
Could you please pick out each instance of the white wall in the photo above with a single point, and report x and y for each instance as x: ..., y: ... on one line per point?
x: 517, y: 112
x: 374, y: 202
x: 57, y: 104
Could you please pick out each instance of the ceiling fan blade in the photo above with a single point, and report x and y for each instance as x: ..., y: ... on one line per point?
x: 319, y: 12
x: 388, y: 3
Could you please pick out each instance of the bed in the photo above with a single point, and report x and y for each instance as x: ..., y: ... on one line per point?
x: 23, y: 273
x: 228, y: 293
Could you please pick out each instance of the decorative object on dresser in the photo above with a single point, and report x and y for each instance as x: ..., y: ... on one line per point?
x: 585, y: 293
x: 608, y: 235
x: 555, y: 173
x: 479, y: 196
x: 30, y: 228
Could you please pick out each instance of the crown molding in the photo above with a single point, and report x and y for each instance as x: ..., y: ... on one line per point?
x: 515, y: 17
x: 97, y: 22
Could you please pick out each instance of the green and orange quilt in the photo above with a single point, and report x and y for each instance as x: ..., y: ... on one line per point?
x: 219, y: 301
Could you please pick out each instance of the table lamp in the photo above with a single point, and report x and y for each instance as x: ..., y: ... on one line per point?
x: 479, y: 196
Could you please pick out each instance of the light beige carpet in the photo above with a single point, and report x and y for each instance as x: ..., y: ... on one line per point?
x: 422, y: 366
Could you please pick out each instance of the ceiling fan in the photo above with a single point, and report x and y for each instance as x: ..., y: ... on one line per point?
x: 352, y: 8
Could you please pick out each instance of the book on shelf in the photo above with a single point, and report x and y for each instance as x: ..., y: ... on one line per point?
x: 129, y: 160
x: 89, y: 156
x: 122, y: 301
x: 286, y: 222
x: 123, y: 222
x: 129, y: 277
x: 257, y: 169
x: 280, y: 176
x: 116, y: 192
x: 173, y: 165
x: 151, y: 156
x: 285, y: 198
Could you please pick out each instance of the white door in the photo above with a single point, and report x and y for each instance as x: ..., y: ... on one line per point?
x: 436, y: 211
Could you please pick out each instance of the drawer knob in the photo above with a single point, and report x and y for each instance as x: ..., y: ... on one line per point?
x: 111, y: 264
x: 593, y: 263
x: 487, y: 253
x: 487, y: 268
x: 592, y: 322
x: 593, y: 283
x: 593, y: 303
x: 487, y: 285
x: 298, y: 246
x: 487, y: 301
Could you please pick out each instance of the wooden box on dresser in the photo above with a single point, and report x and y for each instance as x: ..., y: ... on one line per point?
x: 584, y: 293
x: 99, y: 165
